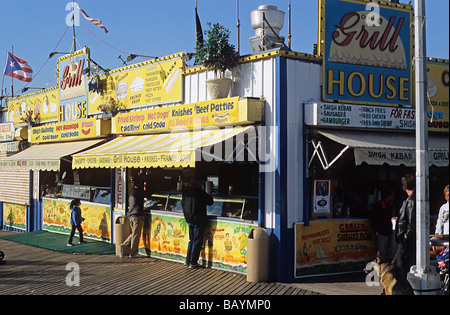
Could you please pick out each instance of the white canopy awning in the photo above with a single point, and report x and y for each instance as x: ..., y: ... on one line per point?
x: 377, y: 148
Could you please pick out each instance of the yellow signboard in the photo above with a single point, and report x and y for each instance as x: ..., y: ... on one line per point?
x: 74, y: 130
x: 152, y: 82
x: 438, y: 93
x: 208, y: 113
x: 46, y: 103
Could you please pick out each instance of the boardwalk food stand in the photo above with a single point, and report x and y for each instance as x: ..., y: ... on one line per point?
x: 301, y: 146
x: 60, y: 127
x: 361, y: 132
x: 166, y: 160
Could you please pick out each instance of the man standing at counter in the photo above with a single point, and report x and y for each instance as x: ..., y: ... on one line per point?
x: 136, y: 213
x: 194, y: 202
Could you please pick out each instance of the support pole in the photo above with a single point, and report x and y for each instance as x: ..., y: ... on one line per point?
x: 423, y: 280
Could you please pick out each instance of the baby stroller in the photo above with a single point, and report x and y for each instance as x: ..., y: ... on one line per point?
x: 442, y: 260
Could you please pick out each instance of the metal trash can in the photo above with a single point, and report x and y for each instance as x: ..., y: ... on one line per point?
x: 258, y: 255
x: 122, y: 230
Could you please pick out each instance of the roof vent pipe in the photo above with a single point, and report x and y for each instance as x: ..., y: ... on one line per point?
x: 267, y: 21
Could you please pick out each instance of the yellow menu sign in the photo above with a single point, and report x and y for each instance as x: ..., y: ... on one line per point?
x: 74, y: 130
x: 152, y: 82
x: 221, y: 112
x: 46, y: 103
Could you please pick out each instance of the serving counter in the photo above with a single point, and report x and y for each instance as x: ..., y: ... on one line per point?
x: 166, y: 232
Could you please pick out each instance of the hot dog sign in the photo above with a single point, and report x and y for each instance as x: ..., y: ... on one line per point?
x: 208, y: 113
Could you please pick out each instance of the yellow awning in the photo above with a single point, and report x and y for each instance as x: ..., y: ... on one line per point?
x: 44, y: 156
x: 156, y: 150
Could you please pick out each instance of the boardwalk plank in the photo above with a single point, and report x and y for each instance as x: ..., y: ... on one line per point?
x: 30, y: 270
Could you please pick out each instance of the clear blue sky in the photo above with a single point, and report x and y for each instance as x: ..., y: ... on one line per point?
x: 157, y: 28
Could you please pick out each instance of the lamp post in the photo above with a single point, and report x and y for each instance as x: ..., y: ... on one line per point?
x: 132, y: 56
x: 423, y: 280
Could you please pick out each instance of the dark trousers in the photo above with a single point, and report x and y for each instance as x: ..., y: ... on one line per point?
x: 72, y: 233
x: 405, y: 256
x: 196, y: 232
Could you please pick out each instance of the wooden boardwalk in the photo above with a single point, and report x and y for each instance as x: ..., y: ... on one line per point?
x: 30, y: 270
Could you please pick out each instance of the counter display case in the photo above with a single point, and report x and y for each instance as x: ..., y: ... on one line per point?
x: 244, y: 208
x: 88, y: 193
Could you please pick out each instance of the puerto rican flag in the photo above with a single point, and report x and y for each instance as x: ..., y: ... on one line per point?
x: 18, y: 68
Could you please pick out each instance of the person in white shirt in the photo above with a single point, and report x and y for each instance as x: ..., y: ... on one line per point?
x: 442, y: 222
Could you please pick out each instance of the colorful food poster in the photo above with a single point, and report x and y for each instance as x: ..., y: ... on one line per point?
x: 46, y: 103
x: 333, y: 246
x: 15, y: 216
x: 97, y: 223
x: 225, y: 242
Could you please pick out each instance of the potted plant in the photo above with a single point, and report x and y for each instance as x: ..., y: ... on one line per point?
x: 29, y: 117
x: 109, y: 108
x: 217, y: 54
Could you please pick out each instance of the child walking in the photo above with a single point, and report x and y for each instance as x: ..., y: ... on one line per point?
x: 75, y: 221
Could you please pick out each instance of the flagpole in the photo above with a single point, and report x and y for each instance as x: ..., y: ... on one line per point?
x: 12, y: 79
x: 289, y: 35
x: 238, y: 28
x: 73, y: 25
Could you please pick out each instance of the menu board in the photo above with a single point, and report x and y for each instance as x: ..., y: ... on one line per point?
x: 156, y: 81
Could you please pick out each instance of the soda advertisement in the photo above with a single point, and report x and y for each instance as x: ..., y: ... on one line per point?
x: 15, y: 216
x: 206, y: 113
x: 333, y: 246
x: 225, y: 243
x: 367, y: 51
x: 97, y: 223
x: 77, y: 130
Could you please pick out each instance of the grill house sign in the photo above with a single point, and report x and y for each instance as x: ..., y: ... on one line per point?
x: 73, y: 101
x: 367, y: 52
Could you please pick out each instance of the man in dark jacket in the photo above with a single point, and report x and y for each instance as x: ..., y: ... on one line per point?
x: 383, y: 212
x: 194, y: 202
x: 405, y: 230
x: 136, y: 214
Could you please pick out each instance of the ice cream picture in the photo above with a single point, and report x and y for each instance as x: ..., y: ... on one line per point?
x: 137, y: 85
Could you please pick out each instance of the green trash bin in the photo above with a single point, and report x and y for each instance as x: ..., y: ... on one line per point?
x: 258, y: 255
x: 122, y: 230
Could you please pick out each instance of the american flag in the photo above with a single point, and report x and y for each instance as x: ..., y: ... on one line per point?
x: 95, y: 21
x: 18, y: 68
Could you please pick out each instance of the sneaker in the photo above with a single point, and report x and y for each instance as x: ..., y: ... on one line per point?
x: 135, y: 256
x: 83, y: 242
x: 194, y: 266
x: 69, y: 244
